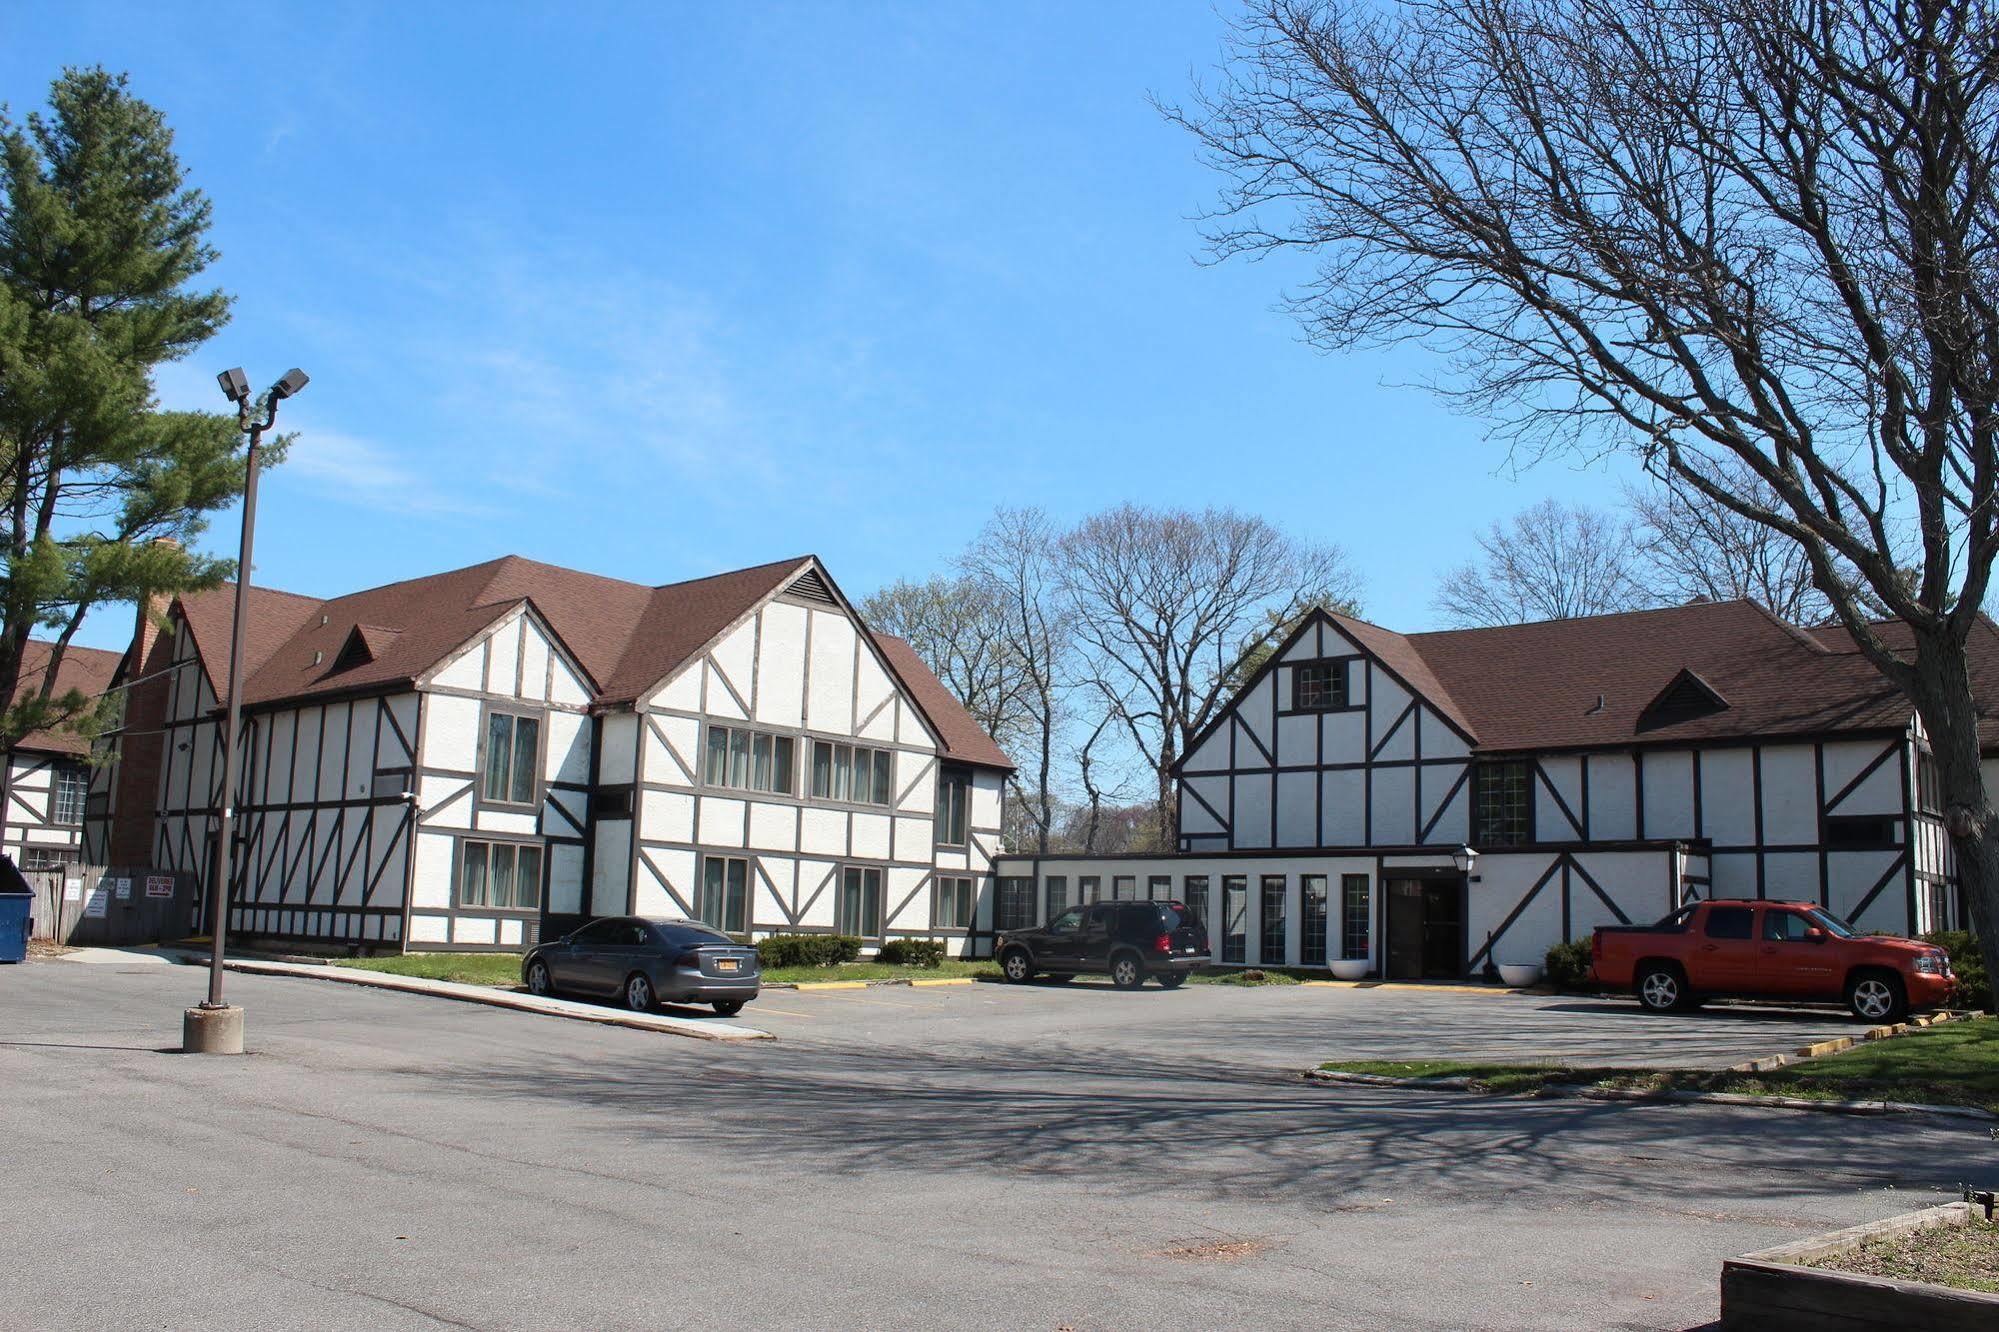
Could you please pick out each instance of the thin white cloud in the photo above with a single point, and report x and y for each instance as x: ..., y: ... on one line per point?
x: 345, y: 467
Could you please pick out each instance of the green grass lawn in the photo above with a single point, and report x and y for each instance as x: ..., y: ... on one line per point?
x: 471, y: 968
x: 505, y: 969
x: 1955, y: 1064
x: 1245, y: 976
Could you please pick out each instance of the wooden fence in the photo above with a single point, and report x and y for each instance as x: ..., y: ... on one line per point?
x: 87, y: 905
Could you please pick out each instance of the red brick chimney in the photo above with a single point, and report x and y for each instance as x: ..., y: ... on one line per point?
x: 135, y: 784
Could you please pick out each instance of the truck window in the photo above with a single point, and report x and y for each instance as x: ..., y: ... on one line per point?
x: 1786, y: 926
x: 1727, y: 923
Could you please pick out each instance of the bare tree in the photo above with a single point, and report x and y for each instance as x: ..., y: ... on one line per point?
x: 1553, y: 561
x: 1696, y: 550
x: 960, y: 629
x: 1721, y: 234
x: 1013, y: 561
x: 1165, y: 604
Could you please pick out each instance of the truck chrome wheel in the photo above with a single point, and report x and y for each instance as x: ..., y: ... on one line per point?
x: 1873, y: 999
x: 1660, y: 991
x: 1014, y: 966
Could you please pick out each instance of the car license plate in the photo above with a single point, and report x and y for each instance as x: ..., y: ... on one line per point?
x: 727, y: 964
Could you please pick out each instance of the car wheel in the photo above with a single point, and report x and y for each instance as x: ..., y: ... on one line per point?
x: 1662, y: 989
x: 1017, y: 966
x: 728, y: 1007
x: 1127, y: 973
x: 638, y: 993
x: 1877, y: 996
x: 538, y: 978
x: 1173, y: 980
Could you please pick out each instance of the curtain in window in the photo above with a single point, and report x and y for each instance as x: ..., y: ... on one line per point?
x: 472, y: 891
x: 499, y: 755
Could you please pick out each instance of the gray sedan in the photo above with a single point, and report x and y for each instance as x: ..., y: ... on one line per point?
x: 646, y: 962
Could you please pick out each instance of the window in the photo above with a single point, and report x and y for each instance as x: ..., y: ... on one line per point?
x: 1089, y: 889
x: 954, y: 797
x: 72, y: 789
x: 1787, y: 926
x: 1503, y: 806
x: 1057, y: 893
x: 1929, y: 783
x: 499, y: 876
x: 1353, y: 916
x: 749, y: 760
x: 1124, y: 888
x: 850, y: 772
x: 513, y: 759
x: 1312, y: 891
x: 1014, y: 908
x: 1319, y: 686
x: 599, y: 932
x: 860, y: 907
x: 953, y: 904
x: 612, y: 804
x: 1235, y: 917
x: 1849, y: 831
x: 1270, y: 949
x: 1159, y: 888
x: 724, y: 895
x: 51, y: 857
x: 1728, y: 922
x: 1194, y: 892
x: 1068, y: 922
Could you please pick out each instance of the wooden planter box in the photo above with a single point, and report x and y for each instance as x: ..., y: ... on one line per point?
x: 1770, y: 1292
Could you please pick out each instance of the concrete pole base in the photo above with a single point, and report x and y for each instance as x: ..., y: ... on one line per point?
x: 212, y: 1030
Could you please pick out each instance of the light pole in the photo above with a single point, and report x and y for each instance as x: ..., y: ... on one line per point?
x: 215, y: 1027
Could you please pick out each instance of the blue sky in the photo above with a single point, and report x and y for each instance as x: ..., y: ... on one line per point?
x: 664, y: 289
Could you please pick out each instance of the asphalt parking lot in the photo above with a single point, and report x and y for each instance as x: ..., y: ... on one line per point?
x: 965, y: 1156
x: 1286, y: 1028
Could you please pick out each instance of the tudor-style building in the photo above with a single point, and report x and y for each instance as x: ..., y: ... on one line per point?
x: 1432, y: 803
x: 46, y: 783
x: 476, y: 758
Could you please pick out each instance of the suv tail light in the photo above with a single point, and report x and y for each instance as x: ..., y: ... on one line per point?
x: 1163, y: 944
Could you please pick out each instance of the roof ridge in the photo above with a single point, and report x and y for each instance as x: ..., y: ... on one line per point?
x: 1575, y: 619
x: 733, y: 573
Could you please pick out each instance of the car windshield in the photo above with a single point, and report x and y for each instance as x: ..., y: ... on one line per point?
x: 1831, y: 924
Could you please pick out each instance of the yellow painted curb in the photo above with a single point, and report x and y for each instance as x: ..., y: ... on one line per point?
x: 830, y: 985
x: 945, y: 980
x: 1817, y: 1048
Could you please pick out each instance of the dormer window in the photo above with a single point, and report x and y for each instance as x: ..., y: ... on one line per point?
x: 1319, y: 686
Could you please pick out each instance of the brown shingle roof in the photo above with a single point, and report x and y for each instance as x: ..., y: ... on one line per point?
x: 964, y: 739
x: 627, y: 637
x: 86, y: 669
x: 1588, y: 681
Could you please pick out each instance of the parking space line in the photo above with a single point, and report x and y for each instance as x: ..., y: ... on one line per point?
x: 785, y: 1012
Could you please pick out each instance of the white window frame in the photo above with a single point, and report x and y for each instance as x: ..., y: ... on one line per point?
x: 751, y: 737
x: 487, y: 857
x: 879, y: 760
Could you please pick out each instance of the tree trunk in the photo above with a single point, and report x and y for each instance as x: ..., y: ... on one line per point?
x: 1943, y: 699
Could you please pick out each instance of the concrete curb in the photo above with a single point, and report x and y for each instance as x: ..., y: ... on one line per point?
x: 1422, y: 987
x: 917, y: 981
x: 495, y: 998
x: 1819, y: 1049
x: 1575, y: 1091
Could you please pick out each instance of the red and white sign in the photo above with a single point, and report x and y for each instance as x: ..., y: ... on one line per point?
x: 159, y: 885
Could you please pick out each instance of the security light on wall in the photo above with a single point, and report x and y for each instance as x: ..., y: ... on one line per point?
x: 235, y: 384
x: 1465, y: 859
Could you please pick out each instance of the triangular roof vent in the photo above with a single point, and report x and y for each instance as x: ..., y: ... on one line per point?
x: 1684, y: 698
x: 365, y: 642
x: 811, y: 586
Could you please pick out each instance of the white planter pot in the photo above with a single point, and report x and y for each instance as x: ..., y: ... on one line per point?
x: 1349, y: 969
x: 1519, y: 974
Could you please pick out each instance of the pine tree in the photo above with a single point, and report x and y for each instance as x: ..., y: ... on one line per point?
x: 100, y: 244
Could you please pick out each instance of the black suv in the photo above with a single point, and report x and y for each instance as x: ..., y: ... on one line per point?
x: 1127, y: 941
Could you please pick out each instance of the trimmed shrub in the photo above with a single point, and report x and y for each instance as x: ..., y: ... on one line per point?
x: 808, y: 950
x: 911, y: 953
x: 1974, y: 987
x: 1567, y: 965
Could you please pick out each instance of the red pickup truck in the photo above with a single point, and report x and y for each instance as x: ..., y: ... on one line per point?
x: 1768, y: 950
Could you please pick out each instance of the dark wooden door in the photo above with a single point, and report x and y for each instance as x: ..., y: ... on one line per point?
x: 1443, y: 931
x: 1405, y: 929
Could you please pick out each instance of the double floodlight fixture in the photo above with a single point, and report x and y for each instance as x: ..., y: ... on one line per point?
x: 236, y: 385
